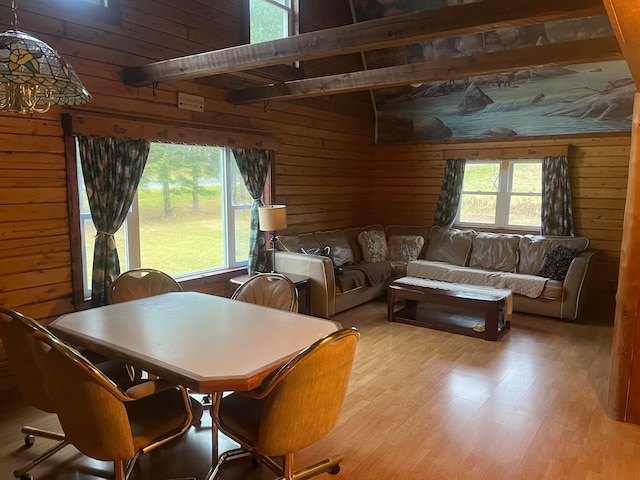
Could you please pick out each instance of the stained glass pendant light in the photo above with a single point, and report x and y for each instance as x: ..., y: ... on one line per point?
x: 33, y: 76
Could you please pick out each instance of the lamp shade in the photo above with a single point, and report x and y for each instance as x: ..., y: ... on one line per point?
x: 33, y: 76
x: 272, y: 217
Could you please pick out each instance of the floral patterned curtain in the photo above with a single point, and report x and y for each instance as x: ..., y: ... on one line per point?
x: 253, y: 164
x: 112, y: 168
x: 449, y: 199
x: 557, y: 213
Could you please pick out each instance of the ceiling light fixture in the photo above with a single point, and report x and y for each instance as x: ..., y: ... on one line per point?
x: 33, y: 76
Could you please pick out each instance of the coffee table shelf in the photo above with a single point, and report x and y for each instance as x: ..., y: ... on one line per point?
x: 446, y: 319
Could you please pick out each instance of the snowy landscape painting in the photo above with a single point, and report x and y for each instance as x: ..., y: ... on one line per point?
x: 572, y: 99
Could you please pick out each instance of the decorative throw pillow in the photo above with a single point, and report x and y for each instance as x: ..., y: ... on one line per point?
x: 373, y: 244
x: 323, y: 252
x: 405, y: 248
x: 557, y: 262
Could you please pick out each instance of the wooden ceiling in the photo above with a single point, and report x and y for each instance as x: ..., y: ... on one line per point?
x: 406, y: 29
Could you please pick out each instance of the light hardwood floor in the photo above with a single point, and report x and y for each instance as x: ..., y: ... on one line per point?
x: 427, y: 405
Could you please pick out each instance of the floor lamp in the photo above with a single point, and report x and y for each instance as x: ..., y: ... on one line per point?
x: 272, y: 218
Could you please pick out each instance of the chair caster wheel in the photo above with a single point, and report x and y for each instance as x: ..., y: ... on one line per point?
x: 334, y: 470
x: 29, y: 440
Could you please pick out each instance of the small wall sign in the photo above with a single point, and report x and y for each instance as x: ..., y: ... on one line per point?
x: 190, y: 102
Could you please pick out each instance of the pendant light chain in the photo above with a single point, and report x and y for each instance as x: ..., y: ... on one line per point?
x: 14, y: 24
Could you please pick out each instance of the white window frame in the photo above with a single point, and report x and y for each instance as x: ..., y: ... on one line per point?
x: 131, y: 226
x: 503, y: 195
x: 101, y: 3
x: 293, y: 11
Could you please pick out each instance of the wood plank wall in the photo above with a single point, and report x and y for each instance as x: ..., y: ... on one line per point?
x: 406, y: 181
x: 323, y: 145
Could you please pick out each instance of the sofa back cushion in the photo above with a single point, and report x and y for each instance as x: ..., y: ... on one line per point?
x: 415, y: 230
x: 534, y: 248
x: 352, y: 238
x: 495, y: 251
x: 293, y: 243
x: 449, y: 245
x: 341, y: 252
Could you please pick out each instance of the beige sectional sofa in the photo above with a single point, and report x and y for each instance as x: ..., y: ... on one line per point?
x: 362, y: 261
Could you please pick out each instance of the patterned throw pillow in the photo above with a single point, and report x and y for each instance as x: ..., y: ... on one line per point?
x: 405, y: 248
x: 323, y: 252
x: 557, y: 262
x: 373, y: 244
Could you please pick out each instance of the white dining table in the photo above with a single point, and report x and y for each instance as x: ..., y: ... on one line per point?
x: 207, y: 343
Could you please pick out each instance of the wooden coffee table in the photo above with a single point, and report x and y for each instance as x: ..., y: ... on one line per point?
x: 472, y: 310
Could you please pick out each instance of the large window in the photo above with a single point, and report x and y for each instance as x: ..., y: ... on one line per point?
x: 503, y: 193
x: 272, y: 19
x: 191, y: 214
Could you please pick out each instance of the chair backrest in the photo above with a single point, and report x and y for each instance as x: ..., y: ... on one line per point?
x: 270, y: 290
x: 306, y: 395
x: 89, y: 405
x: 16, y: 331
x: 141, y: 283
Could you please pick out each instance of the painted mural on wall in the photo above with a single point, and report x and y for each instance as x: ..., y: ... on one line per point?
x: 576, y: 99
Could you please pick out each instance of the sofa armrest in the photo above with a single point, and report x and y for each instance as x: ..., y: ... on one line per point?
x: 320, y: 272
x: 576, y: 285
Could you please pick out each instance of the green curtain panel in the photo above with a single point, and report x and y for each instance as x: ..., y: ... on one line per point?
x: 557, y: 213
x: 112, y: 168
x: 253, y: 164
x: 449, y: 198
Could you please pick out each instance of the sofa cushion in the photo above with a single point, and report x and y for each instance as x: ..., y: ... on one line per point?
x: 494, y: 251
x: 293, y: 243
x: 404, y: 248
x: 533, y: 249
x: 401, y: 230
x: 373, y: 244
x: 352, y: 238
x: 341, y: 252
x: 557, y: 262
x: 449, y: 245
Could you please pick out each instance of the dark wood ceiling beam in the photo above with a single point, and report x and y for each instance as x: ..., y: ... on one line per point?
x: 625, y: 19
x: 579, y: 51
x: 380, y: 33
